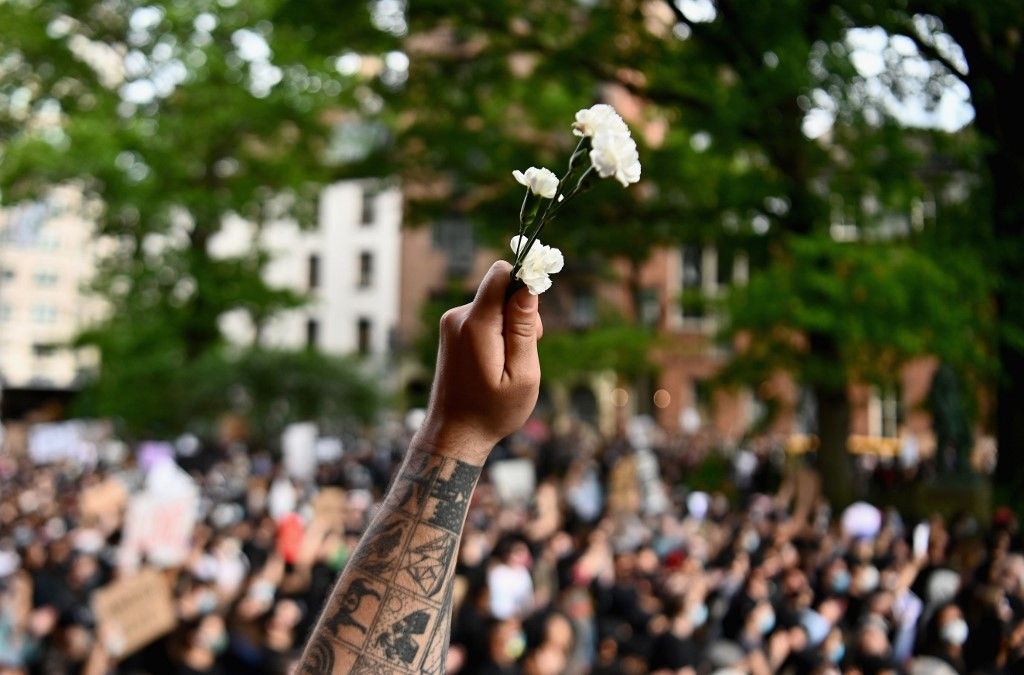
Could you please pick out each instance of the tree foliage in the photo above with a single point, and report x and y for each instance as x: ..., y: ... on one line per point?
x: 267, y: 388
x: 172, y: 117
x: 724, y: 97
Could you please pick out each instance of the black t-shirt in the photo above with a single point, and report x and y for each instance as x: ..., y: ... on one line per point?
x: 673, y: 652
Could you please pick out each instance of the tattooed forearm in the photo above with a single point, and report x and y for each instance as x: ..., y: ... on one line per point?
x: 391, y: 609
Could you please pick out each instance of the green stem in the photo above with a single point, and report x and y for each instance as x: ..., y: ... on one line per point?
x: 549, y: 214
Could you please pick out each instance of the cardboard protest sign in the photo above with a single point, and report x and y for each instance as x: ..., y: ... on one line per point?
x: 623, y: 487
x: 329, y: 508
x: 514, y: 480
x: 104, y: 502
x: 134, y: 611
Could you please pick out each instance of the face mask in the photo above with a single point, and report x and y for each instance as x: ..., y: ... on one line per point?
x: 836, y: 654
x: 515, y: 647
x: 207, y: 602
x: 767, y: 622
x: 954, y: 632
x: 751, y: 541
x: 841, y: 581
x: 263, y: 591
x: 699, y: 616
x: 218, y: 644
x: 869, y: 579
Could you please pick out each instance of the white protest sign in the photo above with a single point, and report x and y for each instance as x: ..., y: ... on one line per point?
x: 160, y: 520
x: 57, y: 442
x: 515, y: 480
x: 298, y: 443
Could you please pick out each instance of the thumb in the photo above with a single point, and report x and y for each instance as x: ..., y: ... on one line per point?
x: 521, y: 322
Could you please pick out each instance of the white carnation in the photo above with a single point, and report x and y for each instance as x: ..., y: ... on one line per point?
x: 615, y: 154
x: 597, y: 119
x: 539, y: 181
x: 540, y: 262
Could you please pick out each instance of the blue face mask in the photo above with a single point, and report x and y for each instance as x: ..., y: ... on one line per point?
x: 699, y: 616
x: 841, y: 581
x: 836, y: 654
x: 767, y: 622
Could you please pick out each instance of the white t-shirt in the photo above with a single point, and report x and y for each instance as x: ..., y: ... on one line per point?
x: 511, y: 590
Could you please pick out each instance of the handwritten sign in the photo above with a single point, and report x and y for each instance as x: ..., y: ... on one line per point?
x: 161, y: 518
x: 134, y: 611
x: 329, y: 507
x: 104, y: 502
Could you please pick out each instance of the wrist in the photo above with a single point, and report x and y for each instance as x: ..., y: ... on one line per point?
x: 453, y: 441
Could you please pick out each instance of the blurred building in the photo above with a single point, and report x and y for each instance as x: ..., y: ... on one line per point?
x: 681, y: 396
x: 47, y: 257
x: 348, y: 264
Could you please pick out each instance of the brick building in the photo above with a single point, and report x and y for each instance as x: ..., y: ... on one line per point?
x: 686, y: 357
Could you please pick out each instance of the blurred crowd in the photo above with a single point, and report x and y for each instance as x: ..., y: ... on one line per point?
x: 603, y: 561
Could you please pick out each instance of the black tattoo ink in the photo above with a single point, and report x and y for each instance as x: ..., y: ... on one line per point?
x: 350, y: 601
x: 398, y: 643
x: 437, y: 654
x: 417, y: 484
x: 427, y: 563
x: 453, y: 495
x: 367, y: 666
x: 382, y: 541
x: 319, y: 659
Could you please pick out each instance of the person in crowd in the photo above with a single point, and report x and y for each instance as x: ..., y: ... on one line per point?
x: 582, y: 578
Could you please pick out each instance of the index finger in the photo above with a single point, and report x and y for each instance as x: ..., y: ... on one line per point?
x: 489, y: 303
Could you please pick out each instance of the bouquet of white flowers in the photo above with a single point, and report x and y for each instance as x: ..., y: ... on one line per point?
x: 605, y: 149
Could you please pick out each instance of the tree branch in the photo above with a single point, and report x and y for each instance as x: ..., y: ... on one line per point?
x: 930, y: 51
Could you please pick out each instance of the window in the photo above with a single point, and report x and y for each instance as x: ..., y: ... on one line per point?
x: 41, y: 350
x: 584, y: 308
x: 650, y: 307
x: 44, y: 313
x: 693, y: 282
x: 693, y: 267
x: 364, y: 336
x: 46, y: 279
x: 369, y: 213
x: 884, y: 412
x: 312, y: 333
x: 365, y: 269
x: 6, y: 312
x: 725, y: 267
x: 314, y: 271
x: 7, y: 274
x: 454, y: 236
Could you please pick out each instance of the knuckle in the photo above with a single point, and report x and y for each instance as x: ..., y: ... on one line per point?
x: 525, y: 329
x: 450, y: 320
x: 502, y: 266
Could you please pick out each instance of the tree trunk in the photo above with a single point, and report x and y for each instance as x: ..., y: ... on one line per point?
x: 996, y: 64
x: 833, y: 432
x: 1007, y: 179
x: 833, y: 424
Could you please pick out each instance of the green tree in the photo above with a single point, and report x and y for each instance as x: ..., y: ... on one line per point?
x: 984, y: 54
x: 171, y: 117
x: 719, y: 94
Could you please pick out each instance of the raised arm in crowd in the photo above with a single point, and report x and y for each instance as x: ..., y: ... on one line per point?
x: 390, y: 611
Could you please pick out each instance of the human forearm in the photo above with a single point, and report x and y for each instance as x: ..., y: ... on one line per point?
x: 391, y: 609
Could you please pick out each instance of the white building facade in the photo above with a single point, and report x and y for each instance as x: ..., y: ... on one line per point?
x: 47, y: 257
x: 348, y: 265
